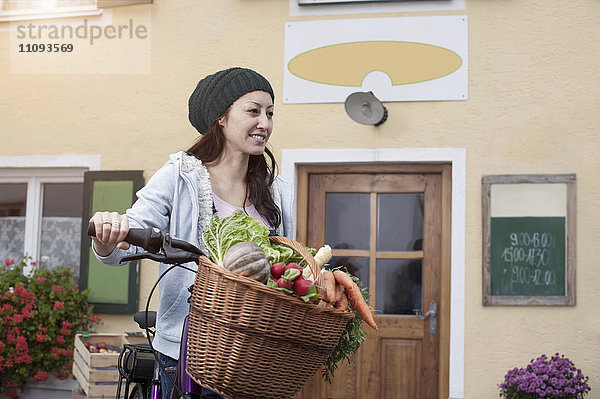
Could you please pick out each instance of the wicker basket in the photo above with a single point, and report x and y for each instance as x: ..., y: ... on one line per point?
x: 248, y: 340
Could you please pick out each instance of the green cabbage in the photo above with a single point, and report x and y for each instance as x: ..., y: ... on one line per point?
x: 222, y: 233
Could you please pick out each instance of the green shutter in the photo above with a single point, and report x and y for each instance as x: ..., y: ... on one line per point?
x: 112, y: 289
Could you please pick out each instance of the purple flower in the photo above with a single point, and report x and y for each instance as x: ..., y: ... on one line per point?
x: 544, y: 377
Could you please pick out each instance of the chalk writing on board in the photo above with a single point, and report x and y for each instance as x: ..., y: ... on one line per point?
x: 528, y: 256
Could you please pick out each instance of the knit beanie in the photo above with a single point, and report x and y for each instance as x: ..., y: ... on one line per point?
x: 216, y: 92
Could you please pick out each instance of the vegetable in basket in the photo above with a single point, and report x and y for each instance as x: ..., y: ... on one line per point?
x: 248, y: 259
x: 292, y: 282
x: 341, y: 290
x: 355, y: 297
x: 288, y: 273
x: 350, y: 340
x: 222, y: 233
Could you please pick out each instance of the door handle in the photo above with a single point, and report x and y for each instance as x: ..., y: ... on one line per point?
x: 432, y: 315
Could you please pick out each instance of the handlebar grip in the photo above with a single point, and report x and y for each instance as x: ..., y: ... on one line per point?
x: 150, y: 239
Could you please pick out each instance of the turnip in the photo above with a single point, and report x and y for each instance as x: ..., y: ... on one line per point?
x: 301, y: 286
x: 277, y: 270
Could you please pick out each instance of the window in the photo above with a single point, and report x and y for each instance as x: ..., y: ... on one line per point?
x: 41, y: 209
x: 20, y: 10
x: 13, y: 201
x: 60, y: 239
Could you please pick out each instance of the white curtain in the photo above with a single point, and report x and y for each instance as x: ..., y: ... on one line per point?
x: 12, y: 238
x: 60, y: 241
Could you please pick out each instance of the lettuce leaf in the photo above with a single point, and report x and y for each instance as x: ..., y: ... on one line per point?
x: 222, y: 233
x: 283, y: 254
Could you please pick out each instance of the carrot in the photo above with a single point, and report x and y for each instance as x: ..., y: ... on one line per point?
x: 342, y: 303
x: 329, y: 285
x: 339, y: 293
x: 355, y: 297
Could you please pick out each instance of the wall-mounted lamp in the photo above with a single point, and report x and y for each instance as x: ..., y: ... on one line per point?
x: 365, y: 108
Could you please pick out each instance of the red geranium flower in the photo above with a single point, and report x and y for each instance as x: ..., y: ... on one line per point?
x: 40, y: 376
x: 22, y: 344
x: 27, y: 302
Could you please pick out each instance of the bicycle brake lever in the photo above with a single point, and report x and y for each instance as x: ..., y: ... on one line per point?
x: 175, y: 255
x: 170, y: 253
x: 145, y: 255
x: 171, y: 256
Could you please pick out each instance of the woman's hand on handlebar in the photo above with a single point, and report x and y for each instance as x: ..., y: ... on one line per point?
x: 111, y: 229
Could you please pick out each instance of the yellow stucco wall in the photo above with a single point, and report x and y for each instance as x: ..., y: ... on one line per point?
x: 533, y: 107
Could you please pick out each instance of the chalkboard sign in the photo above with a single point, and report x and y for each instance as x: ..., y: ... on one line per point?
x: 528, y: 256
x: 528, y: 239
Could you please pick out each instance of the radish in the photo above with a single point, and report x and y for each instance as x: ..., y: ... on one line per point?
x: 283, y: 283
x: 294, y: 266
x: 277, y: 270
x: 301, y: 286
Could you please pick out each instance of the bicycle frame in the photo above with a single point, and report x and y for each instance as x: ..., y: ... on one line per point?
x: 161, y: 248
x: 150, y: 387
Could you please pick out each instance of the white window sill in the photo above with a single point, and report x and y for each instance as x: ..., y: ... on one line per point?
x: 12, y: 16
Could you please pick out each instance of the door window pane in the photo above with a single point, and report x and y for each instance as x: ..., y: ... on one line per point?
x: 61, y: 226
x: 13, y: 202
x: 348, y: 220
x: 400, y: 222
x: 399, y: 283
x: 357, y: 266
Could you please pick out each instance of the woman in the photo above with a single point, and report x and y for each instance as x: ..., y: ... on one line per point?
x: 225, y: 170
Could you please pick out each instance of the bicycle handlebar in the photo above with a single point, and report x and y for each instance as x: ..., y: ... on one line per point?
x: 150, y: 239
x: 159, y: 247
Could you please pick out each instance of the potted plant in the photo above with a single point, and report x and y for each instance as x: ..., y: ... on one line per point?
x: 547, y: 378
x: 39, y: 316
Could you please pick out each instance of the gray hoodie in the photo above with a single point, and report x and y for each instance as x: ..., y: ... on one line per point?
x: 177, y: 200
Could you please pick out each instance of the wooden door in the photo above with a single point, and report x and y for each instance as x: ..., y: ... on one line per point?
x: 388, y: 225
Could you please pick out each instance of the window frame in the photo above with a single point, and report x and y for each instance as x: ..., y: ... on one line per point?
x: 36, y: 171
x: 55, y: 11
x: 50, y: 12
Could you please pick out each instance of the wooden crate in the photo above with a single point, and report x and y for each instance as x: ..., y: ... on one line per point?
x: 98, y: 373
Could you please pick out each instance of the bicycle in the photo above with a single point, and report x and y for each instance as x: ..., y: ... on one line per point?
x: 139, y: 364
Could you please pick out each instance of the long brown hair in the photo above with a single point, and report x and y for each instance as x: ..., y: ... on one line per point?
x: 259, y: 178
